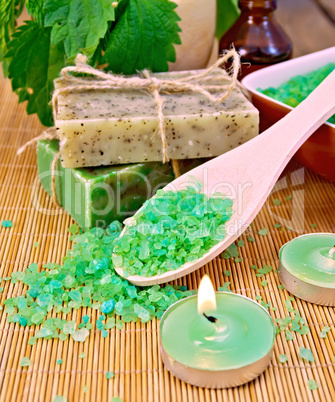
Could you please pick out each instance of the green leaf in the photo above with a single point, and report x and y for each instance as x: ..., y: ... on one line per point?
x: 79, y: 23
x: 35, y: 9
x: 227, y: 13
x: 283, y: 358
x: 10, y: 10
x: 143, y: 36
x: 306, y: 354
x: 34, y: 65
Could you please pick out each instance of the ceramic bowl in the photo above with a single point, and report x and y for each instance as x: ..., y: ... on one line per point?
x: 318, y: 152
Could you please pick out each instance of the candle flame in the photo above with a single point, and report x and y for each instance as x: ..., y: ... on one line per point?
x: 206, y: 296
x: 332, y: 251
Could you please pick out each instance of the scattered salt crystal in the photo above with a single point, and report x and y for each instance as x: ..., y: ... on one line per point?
x: 7, y: 224
x: 70, y: 327
x: 80, y: 335
x: 25, y: 362
x: 109, y: 375
x: 59, y: 398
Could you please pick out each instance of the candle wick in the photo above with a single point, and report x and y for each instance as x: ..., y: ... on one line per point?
x: 210, y: 318
x: 332, y: 251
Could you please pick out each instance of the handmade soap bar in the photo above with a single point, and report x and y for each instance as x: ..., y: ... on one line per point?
x: 96, y: 197
x: 106, y: 127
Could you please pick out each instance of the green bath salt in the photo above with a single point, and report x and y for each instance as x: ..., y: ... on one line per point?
x: 171, y: 229
x: 295, y: 90
x: 95, y: 197
x: 85, y: 279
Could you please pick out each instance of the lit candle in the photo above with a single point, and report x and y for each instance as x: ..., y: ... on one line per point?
x: 216, y: 340
x: 307, y: 267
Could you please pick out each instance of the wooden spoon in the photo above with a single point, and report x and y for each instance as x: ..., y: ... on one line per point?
x: 247, y: 173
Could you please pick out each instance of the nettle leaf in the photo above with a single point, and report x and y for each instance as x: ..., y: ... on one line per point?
x: 227, y: 13
x: 10, y: 10
x: 35, y: 9
x: 143, y: 36
x: 33, y: 66
x: 79, y: 23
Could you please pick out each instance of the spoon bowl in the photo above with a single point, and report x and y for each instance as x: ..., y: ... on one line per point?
x: 248, y: 173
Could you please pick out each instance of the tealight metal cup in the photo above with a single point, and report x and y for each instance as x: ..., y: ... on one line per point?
x: 309, y: 292
x: 216, y: 379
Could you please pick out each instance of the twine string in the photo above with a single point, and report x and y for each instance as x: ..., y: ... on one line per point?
x: 83, y: 77
x: 48, y: 134
x: 53, y: 178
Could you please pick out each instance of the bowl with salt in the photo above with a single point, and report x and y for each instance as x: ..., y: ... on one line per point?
x: 275, y: 90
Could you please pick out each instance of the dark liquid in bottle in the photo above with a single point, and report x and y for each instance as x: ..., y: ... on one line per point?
x: 257, y: 36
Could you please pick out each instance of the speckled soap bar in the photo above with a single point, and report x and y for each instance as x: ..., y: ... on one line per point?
x: 97, y: 196
x: 106, y: 127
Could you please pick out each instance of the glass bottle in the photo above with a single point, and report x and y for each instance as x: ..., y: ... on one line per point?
x: 257, y: 36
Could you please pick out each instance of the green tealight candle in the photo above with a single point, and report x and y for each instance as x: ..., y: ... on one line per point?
x: 231, y: 346
x: 307, y: 267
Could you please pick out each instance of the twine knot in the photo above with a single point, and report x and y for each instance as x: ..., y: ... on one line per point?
x: 87, y: 78
x: 83, y: 77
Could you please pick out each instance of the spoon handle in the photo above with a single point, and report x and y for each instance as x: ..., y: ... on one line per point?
x: 272, y: 150
x: 288, y: 134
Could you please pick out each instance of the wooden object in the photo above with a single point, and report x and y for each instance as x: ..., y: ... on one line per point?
x: 133, y: 353
x: 318, y: 152
x: 251, y: 170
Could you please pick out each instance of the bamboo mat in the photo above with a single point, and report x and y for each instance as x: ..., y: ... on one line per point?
x: 133, y: 353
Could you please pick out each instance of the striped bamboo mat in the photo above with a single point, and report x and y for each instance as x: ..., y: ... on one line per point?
x: 133, y: 353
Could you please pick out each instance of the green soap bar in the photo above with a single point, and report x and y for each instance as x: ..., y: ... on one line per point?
x: 97, y: 196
